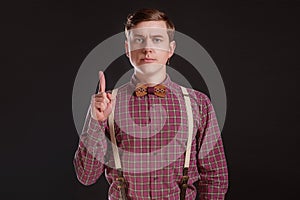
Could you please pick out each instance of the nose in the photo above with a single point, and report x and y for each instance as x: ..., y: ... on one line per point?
x: 147, y: 50
x: 148, y: 46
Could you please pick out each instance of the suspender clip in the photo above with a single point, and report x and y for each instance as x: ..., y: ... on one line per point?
x: 121, y: 184
x: 184, y: 183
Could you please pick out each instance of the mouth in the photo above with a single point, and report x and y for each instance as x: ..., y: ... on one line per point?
x: 148, y: 60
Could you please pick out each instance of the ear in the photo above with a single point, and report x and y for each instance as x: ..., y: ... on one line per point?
x: 172, y: 48
x: 126, y: 48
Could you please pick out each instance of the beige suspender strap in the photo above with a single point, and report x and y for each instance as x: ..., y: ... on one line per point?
x: 190, y: 126
x: 185, y: 177
x: 112, y: 133
x: 120, y: 179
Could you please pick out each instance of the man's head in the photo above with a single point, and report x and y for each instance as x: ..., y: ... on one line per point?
x: 149, y: 40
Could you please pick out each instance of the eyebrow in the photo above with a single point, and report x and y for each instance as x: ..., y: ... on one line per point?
x: 157, y: 36
x: 140, y: 35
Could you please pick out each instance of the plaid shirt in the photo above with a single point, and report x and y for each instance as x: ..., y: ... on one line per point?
x: 151, y: 134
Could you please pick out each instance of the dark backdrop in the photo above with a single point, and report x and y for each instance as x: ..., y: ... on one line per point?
x: 255, y: 45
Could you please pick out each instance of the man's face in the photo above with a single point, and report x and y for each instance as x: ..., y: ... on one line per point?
x: 148, y: 46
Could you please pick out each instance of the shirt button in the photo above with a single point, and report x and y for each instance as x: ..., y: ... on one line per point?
x: 155, y: 178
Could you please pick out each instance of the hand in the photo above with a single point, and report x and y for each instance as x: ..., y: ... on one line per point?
x: 101, y: 103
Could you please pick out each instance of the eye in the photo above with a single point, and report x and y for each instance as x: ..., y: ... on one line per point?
x: 157, y: 40
x: 138, y: 40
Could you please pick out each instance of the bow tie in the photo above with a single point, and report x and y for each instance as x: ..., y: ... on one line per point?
x: 158, y: 90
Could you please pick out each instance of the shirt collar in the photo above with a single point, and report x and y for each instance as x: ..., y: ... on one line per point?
x: 134, y: 82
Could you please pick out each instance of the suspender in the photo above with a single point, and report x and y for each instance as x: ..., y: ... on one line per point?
x: 112, y: 133
x: 120, y: 179
x: 185, y: 177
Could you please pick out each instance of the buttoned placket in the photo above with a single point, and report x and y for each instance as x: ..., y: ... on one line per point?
x: 154, y: 176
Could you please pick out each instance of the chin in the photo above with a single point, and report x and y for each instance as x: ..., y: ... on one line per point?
x: 149, y: 68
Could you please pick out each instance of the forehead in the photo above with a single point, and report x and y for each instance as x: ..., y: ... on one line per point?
x: 151, y: 24
x: 149, y: 27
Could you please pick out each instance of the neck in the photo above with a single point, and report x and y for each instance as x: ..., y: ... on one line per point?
x: 150, y: 79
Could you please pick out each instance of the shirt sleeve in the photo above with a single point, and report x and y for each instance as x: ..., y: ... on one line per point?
x: 212, y: 163
x: 89, y: 156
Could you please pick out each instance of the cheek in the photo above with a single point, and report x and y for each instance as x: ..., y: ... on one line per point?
x: 164, y: 56
x: 133, y: 55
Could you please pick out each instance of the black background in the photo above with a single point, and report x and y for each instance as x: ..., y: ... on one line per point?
x: 255, y: 45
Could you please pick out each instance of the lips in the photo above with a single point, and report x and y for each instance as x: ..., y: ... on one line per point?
x: 148, y: 60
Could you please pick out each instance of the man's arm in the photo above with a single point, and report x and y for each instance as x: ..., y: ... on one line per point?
x: 211, y: 157
x: 89, y: 156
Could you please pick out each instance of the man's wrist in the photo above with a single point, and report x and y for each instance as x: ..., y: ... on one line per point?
x: 97, y: 125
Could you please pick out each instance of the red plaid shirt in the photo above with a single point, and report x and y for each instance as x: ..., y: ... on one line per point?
x: 151, y: 134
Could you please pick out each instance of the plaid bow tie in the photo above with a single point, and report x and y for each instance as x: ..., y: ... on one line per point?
x: 158, y: 90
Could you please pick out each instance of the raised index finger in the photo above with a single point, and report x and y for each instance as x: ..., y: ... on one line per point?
x: 101, y: 82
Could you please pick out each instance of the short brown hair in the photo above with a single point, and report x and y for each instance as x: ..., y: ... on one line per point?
x: 149, y: 14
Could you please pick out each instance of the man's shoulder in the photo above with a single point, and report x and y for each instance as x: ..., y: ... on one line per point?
x: 195, y: 94
x: 125, y: 88
x: 122, y: 87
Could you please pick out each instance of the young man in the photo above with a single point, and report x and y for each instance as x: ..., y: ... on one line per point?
x: 153, y: 139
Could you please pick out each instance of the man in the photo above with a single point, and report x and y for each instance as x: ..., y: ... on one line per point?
x: 150, y: 123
